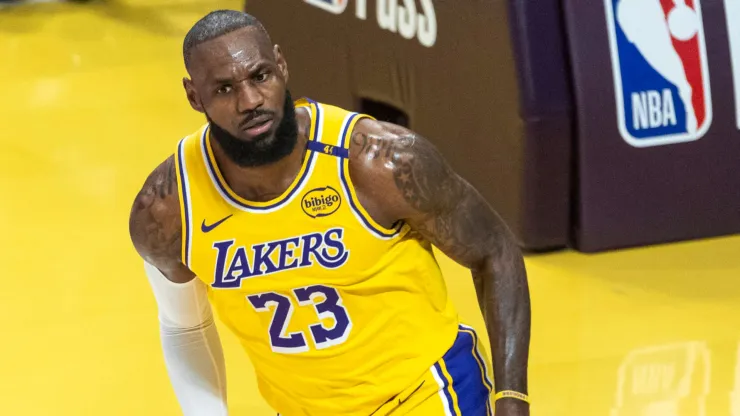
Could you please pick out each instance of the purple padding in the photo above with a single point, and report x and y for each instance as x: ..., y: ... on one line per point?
x: 546, y: 108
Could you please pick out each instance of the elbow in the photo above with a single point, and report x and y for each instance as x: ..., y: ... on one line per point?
x: 505, y: 262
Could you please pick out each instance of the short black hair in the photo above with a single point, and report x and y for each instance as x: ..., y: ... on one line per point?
x: 215, y: 24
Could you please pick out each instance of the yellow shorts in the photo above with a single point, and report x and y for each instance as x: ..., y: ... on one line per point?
x: 456, y: 385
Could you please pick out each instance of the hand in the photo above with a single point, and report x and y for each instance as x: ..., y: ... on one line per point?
x: 511, y: 407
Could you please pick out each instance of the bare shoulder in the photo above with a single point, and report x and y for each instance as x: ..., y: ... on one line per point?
x: 155, y: 226
x: 413, y: 182
x: 401, y: 167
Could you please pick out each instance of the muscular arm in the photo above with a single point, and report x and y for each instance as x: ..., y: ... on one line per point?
x: 155, y: 224
x: 419, y: 187
x: 190, y: 341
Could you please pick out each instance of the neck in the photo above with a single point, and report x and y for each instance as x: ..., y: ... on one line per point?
x: 263, y: 183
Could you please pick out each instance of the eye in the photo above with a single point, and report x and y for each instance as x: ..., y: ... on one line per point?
x: 224, y: 89
x: 262, y: 77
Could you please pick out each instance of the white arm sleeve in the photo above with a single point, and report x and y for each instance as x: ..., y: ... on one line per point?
x: 191, y: 345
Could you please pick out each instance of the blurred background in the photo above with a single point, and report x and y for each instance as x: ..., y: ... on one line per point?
x: 606, y: 133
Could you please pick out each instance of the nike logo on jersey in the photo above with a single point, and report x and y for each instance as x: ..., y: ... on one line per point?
x: 402, y: 401
x: 208, y: 228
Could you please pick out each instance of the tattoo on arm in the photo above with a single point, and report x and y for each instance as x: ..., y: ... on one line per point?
x: 374, y: 147
x: 452, y: 214
x: 154, y: 223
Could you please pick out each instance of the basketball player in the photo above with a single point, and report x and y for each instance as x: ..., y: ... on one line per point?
x: 310, y: 229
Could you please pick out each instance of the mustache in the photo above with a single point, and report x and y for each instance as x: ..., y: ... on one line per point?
x: 265, y: 114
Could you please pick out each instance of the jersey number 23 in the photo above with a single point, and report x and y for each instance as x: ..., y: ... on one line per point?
x: 326, y: 302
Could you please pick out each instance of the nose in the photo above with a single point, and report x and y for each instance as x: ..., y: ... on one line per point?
x: 249, y: 97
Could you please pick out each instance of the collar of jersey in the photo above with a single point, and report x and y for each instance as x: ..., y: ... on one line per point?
x: 268, y: 206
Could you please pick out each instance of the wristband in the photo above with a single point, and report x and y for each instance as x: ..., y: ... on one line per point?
x: 511, y: 394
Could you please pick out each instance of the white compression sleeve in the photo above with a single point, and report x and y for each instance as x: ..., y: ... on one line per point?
x: 191, y: 345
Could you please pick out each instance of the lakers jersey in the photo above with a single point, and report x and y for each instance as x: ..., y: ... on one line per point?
x: 337, y: 313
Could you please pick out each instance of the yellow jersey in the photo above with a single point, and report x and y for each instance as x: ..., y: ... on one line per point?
x: 337, y: 313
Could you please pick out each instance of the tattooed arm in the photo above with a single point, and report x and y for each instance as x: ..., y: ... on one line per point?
x: 155, y: 225
x: 401, y: 176
x: 190, y: 341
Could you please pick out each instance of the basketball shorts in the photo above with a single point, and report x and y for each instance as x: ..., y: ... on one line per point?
x: 458, y: 384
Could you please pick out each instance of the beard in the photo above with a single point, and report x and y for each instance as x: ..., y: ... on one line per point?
x: 262, y: 149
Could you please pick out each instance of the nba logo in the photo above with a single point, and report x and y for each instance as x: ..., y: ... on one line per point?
x: 332, y: 6
x: 661, y: 78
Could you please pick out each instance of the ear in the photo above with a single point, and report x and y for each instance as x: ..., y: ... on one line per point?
x: 192, y: 95
x: 282, y: 64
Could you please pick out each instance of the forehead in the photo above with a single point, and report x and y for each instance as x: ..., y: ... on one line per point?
x: 235, y: 51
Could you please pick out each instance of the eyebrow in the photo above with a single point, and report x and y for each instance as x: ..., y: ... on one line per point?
x: 254, y: 68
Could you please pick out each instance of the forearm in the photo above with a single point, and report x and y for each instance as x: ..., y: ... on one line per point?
x: 191, y: 345
x: 195, y: 365
x: 503, y: 294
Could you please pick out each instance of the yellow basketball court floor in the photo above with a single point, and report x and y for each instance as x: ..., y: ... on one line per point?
x: 92, y: 101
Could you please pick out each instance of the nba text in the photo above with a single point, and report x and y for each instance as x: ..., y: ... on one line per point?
x: 397, y: 16
x: 653, y: 109
x: 232, y: 265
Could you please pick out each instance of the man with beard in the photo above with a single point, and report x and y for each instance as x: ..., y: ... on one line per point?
x: 309, y: 229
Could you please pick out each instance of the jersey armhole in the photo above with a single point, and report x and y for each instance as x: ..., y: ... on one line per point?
x: 349, y: 189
